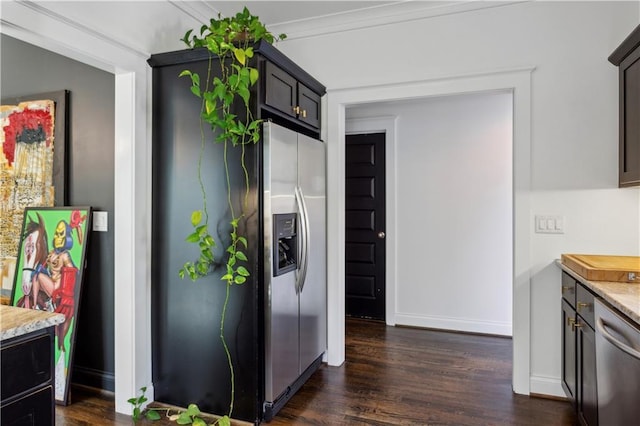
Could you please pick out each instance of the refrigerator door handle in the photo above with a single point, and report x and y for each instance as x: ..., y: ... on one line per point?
x: 304, y: 231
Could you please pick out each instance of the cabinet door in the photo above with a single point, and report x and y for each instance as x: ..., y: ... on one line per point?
x: 568, y: 351
x: 587, y: 389
x: 280, y: 90
x: 309, y: 103
x: 629, y: 151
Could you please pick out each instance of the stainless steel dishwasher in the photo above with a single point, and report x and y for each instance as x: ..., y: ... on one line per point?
x: 618, y: 367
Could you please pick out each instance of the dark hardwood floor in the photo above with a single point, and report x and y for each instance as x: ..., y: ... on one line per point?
x: 392, y: 376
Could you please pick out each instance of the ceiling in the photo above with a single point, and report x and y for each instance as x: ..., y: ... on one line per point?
x: 152, y: 26
x: 280, y: 12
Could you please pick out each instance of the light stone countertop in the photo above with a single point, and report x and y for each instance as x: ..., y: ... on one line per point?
x: 18, y: 321
x: 623, y: 296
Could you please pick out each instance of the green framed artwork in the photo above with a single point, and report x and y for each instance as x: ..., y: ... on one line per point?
x: 48, y: 277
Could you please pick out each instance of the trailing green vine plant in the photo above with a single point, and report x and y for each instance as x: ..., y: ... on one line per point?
x: 229, y: 41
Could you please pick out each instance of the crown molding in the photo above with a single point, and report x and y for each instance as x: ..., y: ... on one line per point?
x: 56, y: 19
x: 384, y: 14
x: 201, y: 11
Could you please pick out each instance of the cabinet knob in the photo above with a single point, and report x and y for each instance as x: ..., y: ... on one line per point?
x: 571, y: 321
x: 304, y: 113
x: 296, y: 110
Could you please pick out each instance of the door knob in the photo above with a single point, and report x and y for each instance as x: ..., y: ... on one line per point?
x: 381, y: 235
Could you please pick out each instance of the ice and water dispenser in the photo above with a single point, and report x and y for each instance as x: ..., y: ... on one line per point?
x: 285, y: 243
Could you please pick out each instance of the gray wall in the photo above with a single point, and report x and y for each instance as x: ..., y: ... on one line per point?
x: 26, y: 70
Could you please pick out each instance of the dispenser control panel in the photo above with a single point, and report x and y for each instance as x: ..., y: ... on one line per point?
x: 285, y: 241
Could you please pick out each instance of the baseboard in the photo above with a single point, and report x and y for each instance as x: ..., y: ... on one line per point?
x: 93, y: 378
x: 546, y: 386
x: 454, y: 324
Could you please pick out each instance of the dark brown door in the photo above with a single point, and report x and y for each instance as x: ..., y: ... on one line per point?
x: 365, y: 226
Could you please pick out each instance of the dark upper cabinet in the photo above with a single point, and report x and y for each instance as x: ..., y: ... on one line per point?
x: 289, y: 96
x: 627, y: 58
x: 285, y: 93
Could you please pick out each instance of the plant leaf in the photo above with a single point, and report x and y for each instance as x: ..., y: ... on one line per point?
x: 153, y: 415
x: 184, y: 419
x: 240, y: 255
x: 193, y: 238
x: 193, y: 410
x: 242, y: 271
x: 196, y: 217
x: 224, y: 421
x: 239, y: 279
x: 240, y: 55
x: 199, y: 422
x: 253, y: 75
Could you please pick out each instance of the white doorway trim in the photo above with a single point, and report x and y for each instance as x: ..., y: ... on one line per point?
x: 131, y: 223
x: 519, y: 82
x: 388, y: 126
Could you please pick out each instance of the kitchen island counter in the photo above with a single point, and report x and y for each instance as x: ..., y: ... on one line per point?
x: 623, y: 296
x: 19, y: 321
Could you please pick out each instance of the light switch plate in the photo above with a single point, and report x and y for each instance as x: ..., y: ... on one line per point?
x: 549, y: 224
x: 101, y: 221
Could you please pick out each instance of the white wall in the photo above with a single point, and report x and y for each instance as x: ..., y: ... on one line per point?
x: 453, y: 214
x: 573, y: 121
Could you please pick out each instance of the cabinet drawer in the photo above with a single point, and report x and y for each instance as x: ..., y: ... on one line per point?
x: 32, y: 409
x: 585, y: 304
x: 25, y: 365
x: 569, y: 289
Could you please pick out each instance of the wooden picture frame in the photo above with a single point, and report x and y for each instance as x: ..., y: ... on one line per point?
x: 49, y: 272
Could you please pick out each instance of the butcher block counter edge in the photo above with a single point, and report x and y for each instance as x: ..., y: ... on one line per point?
x: 19, y: 321
x: 623, y: 296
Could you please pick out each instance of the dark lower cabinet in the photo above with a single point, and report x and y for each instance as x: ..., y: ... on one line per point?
x: 587, y: 401
x: 26, y: 382
x: 579, y: 350
x: 569, y: 350
x: 33, y: 409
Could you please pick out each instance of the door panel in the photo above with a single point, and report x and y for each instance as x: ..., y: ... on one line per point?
x: 281, y: 313
x: 313, y: 298
x: 365, y: 226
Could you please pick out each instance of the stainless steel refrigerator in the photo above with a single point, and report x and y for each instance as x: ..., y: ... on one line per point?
x: 294, y: 261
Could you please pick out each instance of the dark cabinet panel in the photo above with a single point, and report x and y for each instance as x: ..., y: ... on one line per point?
x: 309, y: 103
x: 568, y: 351
x: 579, y: 350
x: 26, y: 379
x: 34, y: 409
x: 289, y: 96
x: 587, y: 405
x: 25, y: 364
x: 280, y: 90
x: 627, y: 58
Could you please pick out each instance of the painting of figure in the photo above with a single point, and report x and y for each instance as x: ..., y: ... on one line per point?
x: 32, y: 172
x: 49, y: 275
